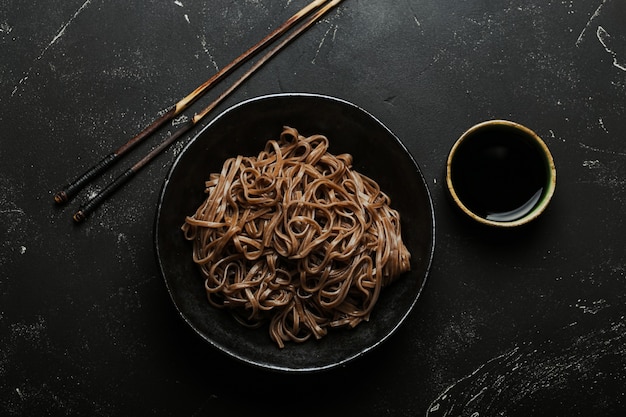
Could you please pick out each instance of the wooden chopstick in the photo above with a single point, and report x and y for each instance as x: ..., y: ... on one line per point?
x: 109, y: 190
x: 172, y: 111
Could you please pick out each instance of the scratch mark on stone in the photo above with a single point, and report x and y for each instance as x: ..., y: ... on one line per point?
x: 446, y: 399
x: 561, y: 367
x: 390, y: 100
x: 602, y: 125
x: 603, y: 37
x: 591, y: 148
x: 19, y: 393
x: 180, y: 120
x: 206, y: 50
x: 14, y: 211
x: 593, y: 16
x: 592, y: 164
x: 54, y: 40
x: 5, y: 28
x: 321, y: 44
x: 593, y: 307
x: 62, y: 31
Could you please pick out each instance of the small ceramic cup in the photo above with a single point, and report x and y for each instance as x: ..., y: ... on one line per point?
x: 501, y: 174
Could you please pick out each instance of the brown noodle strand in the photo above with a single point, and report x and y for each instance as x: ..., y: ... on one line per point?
x: 297, y: 238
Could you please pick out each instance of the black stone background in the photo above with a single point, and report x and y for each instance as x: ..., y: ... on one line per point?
x: 522, y: 323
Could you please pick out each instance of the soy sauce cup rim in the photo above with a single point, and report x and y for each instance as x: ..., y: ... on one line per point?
x: 548, y: 160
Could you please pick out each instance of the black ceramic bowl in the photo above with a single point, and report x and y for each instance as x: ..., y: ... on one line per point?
x: 243, y: 130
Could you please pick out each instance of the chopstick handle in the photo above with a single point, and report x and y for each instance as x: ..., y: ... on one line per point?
x: 74, y: 187
x: 110, y: 189
x: 119, y: 182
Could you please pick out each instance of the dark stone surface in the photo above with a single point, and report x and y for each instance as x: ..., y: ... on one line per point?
x: 530, y: 322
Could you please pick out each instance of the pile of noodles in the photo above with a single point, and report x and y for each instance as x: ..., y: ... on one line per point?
x: 296, y: 238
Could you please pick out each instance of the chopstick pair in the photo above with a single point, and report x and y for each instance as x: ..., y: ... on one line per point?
x: 320, y: 7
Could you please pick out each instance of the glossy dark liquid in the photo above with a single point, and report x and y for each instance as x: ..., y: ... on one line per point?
x: 499, y: 174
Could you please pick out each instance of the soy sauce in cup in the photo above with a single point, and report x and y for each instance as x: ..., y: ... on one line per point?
x: 501, y: 173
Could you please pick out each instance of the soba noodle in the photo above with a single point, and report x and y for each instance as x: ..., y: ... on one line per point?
x: 297, y: 238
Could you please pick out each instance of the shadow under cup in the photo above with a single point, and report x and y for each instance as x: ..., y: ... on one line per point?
x: 500, y: 173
